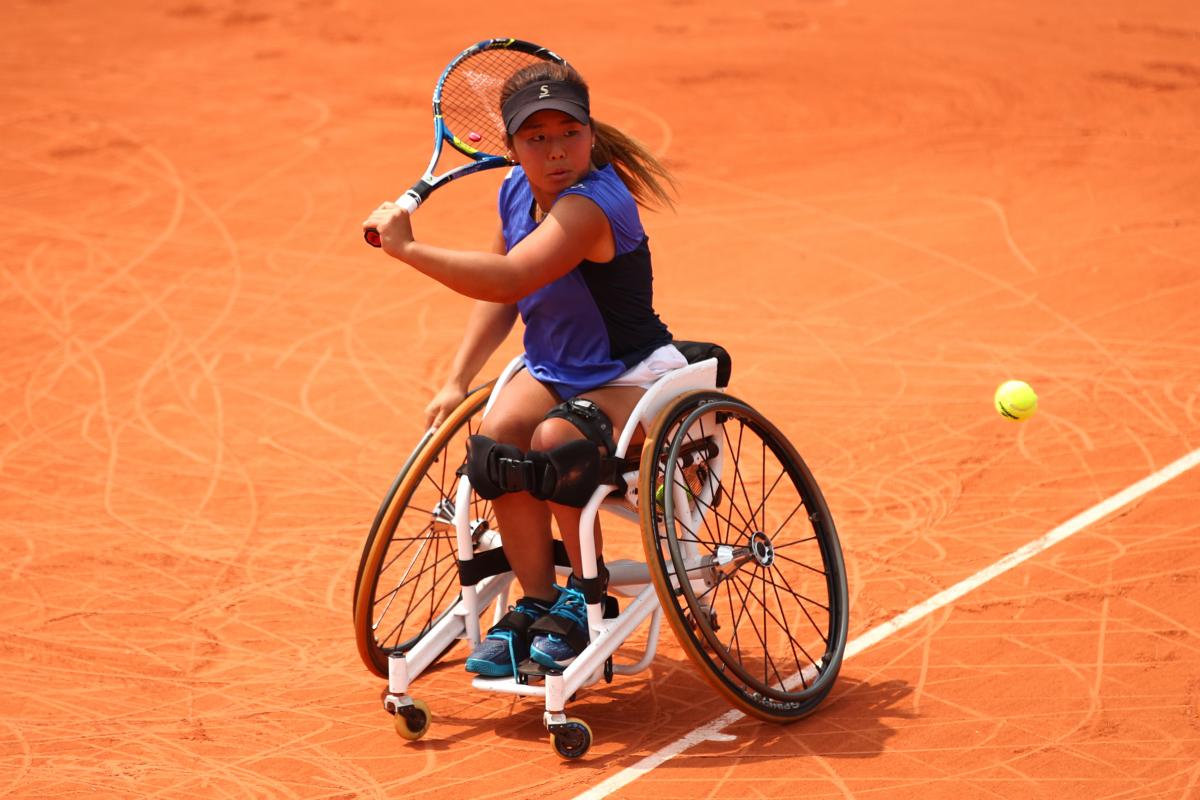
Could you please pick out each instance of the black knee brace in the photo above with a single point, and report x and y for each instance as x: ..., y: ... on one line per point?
x: 567, y: 475
x: 494, y: 468
x: 570, y: 473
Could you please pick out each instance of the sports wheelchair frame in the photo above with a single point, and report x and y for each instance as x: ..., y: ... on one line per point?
x: 741, y: 553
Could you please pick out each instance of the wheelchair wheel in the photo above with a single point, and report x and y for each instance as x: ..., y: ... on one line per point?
x: 408, y: 574
x: 744, y: 555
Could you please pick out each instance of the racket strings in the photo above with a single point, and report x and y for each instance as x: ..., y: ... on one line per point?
x: 470, y: 97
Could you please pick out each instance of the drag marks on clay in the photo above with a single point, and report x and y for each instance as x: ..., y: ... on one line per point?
x: 124, y: 359
x: 206, y: 388
x: 1073, y: 324
x: 638, y: 117
x: 1172, y: 32
x: 1052, y: 685
x: 1148, y: 412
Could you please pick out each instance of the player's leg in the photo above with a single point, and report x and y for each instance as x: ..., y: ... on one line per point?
x: 525, y: 530
x: 562, y: 635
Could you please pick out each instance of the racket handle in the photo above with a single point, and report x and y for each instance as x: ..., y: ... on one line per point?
x: 408, y: 201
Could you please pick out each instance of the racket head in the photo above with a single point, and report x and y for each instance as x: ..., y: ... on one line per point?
x: 466, y: 100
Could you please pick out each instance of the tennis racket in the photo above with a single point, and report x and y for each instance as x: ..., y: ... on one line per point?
x: 466, y: 113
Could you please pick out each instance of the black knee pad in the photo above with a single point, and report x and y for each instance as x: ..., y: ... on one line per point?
x: 494, y: 468
x: 567, y: 475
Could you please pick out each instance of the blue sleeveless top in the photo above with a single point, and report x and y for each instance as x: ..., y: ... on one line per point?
x: 594, y: 323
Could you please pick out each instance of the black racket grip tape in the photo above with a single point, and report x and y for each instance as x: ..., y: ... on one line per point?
x: 372, y: 237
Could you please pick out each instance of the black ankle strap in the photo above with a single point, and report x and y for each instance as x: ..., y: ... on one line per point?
x: 593, y: 589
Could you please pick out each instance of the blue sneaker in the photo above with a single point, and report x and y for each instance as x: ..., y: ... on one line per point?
x: 561, y: 635
x: 507, y: 642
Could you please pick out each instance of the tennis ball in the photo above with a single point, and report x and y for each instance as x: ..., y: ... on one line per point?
x: 661, y: 491
x: 1015, y: 400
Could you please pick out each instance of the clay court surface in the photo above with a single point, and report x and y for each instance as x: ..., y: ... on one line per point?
x: 886, y: 208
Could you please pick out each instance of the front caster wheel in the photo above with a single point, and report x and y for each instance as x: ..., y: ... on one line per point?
x: 412, y: 722
x: 571, y: 738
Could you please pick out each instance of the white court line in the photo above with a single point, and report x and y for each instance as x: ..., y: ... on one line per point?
x: 712, y: 731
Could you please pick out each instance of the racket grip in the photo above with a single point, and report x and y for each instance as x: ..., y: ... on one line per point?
x: 407, y: 201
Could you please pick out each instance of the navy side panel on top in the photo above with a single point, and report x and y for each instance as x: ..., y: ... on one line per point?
x: 598, y: 320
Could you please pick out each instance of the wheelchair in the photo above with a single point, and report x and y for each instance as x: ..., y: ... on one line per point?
x: 742, y: 557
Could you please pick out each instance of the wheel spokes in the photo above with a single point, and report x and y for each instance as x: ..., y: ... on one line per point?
x: 417, y: 577
x: 780, y: 614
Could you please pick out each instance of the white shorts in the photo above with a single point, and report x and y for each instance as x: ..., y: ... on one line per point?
x: 663, y: 360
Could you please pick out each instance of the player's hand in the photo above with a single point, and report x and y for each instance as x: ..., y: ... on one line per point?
x: 394, y: 225
x: 448, y: 398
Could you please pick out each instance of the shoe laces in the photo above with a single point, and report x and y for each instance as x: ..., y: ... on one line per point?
x: 529, y: 609
x: 570, y: 604
x: 533, y: 610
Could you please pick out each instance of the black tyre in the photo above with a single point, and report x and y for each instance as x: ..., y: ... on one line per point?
x: 571, y: 739
x: 727, y: 502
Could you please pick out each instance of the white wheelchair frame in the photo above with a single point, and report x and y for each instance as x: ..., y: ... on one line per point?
x: 626, y: 577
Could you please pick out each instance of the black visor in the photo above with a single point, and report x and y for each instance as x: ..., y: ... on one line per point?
x: 569, y: 98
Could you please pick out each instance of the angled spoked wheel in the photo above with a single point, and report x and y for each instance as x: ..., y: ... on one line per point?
x: 744, y: 555
x: 408, y: 574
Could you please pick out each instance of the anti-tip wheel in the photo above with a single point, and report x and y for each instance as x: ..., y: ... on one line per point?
x: 412, y: 722
x: 572, y: 738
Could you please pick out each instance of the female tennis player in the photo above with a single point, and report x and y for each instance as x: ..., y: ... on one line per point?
x: 572, y: 259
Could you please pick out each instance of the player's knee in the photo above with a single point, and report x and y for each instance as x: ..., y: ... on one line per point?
x: 510, y: 429
x: 551, y: 433
x: 567, y: 474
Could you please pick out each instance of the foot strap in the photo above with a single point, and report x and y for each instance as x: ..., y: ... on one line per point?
x: 515, y: 622
x: 565, y: 629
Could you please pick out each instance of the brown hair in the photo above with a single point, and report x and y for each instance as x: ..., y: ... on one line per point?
x: 644, y: 175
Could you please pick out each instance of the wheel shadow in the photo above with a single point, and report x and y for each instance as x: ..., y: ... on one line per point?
x: 636, y: 717
x: 855, y: 722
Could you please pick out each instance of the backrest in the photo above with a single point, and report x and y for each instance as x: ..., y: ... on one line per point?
x: 695, y: 352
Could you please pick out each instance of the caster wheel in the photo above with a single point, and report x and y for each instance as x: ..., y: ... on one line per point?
x: 412, y: 722
x: 572, y: 738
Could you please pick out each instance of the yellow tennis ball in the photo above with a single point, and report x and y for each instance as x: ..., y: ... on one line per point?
x: 661, y: 492
x: 1016, y: 400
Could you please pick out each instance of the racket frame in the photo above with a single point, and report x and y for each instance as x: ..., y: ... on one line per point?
x: 411, y: 200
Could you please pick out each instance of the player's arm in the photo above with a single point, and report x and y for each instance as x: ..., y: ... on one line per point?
x: 488, y: 325
x: 553, y: 249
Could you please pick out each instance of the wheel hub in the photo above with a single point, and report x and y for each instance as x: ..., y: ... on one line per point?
x: 761, y: 549
x: 442, y: 516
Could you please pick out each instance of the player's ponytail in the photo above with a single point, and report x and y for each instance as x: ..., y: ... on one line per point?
x: 642, y: 173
